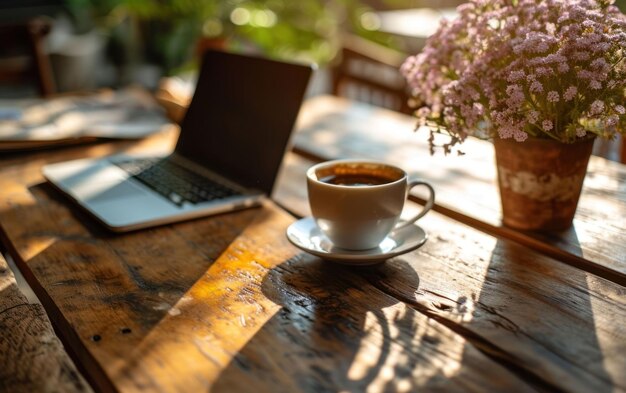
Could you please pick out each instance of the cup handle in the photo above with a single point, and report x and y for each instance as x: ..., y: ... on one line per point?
x: 429, y: 204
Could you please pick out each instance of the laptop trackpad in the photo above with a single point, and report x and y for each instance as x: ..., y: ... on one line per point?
x: 123, y: 204
x: 119, y: 190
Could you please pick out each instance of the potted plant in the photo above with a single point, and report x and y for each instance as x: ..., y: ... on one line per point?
x: 542, y: 78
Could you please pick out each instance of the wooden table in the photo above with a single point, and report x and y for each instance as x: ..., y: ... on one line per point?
x: 227, y: 304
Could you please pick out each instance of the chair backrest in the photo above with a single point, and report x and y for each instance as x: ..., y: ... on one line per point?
x: 614, y: 150
x: 369, y: 72
x: 22, y: 54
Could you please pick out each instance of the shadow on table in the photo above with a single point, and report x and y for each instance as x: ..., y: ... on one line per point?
x: 347, y: 329
x: 542, y: 314
x: 331, y: 315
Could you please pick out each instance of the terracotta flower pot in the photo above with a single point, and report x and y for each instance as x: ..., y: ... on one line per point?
x: 540, y: 181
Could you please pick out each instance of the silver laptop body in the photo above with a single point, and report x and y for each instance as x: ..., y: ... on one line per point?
x: 229, y: 151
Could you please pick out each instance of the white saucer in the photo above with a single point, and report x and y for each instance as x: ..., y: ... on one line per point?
x: 306, y: 235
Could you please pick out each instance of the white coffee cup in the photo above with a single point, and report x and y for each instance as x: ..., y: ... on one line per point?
x: 357, y: 203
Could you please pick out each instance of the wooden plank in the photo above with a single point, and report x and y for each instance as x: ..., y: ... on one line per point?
x: 227, y: 303
x: 32, y: 357
x: 331, y: 127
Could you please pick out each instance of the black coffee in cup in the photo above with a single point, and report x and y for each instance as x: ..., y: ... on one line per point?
x: 356, y: 180
x: 358, y: 175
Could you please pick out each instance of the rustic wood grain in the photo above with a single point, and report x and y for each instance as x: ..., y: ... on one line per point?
x: 32, y: 358
x: 226, y: 303
x: 167, y: 308
x: 331, y: 127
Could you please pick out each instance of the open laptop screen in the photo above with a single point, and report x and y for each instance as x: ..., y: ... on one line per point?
x: 240, y: 118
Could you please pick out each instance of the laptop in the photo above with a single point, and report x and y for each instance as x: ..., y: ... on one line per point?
x: 231, y: 145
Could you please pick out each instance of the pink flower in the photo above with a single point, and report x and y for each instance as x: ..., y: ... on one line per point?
x: 596, y: 107
x: 543, y: 71
x: 601, y: 47
x: 553, y: 96
x: 520, y: 136
x: 600, y: 63
x: 581, y: 56
x: 516, y: 75
x: 563, y: 68
x: 536, y: 87
x: 533, y: 117
x: 547, y: 125
x: 612, y: 120
x: 570, y: 93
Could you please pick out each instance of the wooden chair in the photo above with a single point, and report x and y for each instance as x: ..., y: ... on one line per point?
x: 33, y: 357
x: 369, y: 72
x: 614, y: 150
x: 22, y: 55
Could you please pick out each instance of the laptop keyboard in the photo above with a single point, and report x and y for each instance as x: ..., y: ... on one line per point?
x: 175, y: 182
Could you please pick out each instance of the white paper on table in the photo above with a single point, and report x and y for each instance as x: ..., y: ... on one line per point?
x: 128, y: 113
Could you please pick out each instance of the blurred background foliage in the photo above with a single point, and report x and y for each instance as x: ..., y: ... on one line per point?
x: 169, y: 32
x: 167, y: 35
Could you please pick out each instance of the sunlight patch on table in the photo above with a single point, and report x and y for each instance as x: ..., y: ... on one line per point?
x: 198, y: 338
x: 427, y: 348
x: 34, y: 246
x: 6, y: 282
x: 610, y: 336
x: 326, y: 137
x: 15, y: 196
